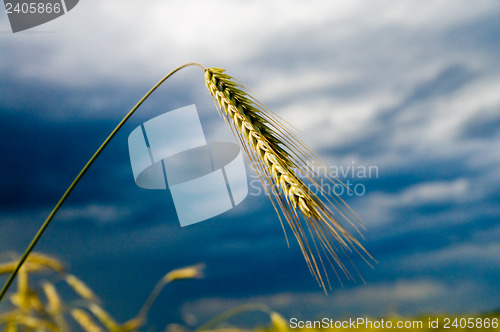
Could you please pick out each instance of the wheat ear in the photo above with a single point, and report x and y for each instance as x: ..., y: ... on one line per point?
x: 273, y: 151
x: 283, y: 165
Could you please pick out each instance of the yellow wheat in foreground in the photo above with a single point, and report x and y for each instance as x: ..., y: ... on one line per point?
x: 286, y: 169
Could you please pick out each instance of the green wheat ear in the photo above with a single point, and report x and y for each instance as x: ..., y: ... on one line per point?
x: 283, y: 164
x: 279, y: 158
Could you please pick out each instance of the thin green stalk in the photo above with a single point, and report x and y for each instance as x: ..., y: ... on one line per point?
x: 188, y: 272
x: 151, y: 299
x: 79, y: 176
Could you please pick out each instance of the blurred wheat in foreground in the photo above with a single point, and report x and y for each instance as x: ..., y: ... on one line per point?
x: 38, y: 306
x: 286, y: 169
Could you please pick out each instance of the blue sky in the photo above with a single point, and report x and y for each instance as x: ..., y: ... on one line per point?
x: 407, y: 87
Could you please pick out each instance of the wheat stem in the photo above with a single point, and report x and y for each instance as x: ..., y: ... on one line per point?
x: 276, y: 156
x: 189, y: 272
x: 79, y: 176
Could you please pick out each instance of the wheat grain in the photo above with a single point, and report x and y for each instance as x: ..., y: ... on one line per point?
x: 23, y: 289
x: 278, y: 322
x: 7, y: 267
x: 46, y: 261
x: 81, y: 288
x: 189, y: 272
x: 280, y: 160
x: 54, y: 301
x: 132, y: 325
x: 11, y: 327
x: 85, y: 321
x: 55, y: 306
x: 35, y: 302
x: 32, y: 323
x: 104, y: 317
x: 34, y: 263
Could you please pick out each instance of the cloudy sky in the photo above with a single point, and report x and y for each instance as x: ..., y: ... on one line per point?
x: 407, y: 88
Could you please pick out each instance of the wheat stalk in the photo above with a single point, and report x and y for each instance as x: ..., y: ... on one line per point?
x: 81, y: 288
x: 280, y: 160
x: 85, y: 320
x: 276, y: 156
x: 184, y: 273
x: 77, y: 179
x: 104, y: 317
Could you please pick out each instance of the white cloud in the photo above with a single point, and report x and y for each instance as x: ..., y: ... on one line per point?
x: 96, y: 213
x: 103, y: 214
x: 436, y: 192
x: 463, y: 254
x: 375, y: 299
x: 319, y: 48
x: 128, y: 41
x: 381, y: 207
x: 435, y: 126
